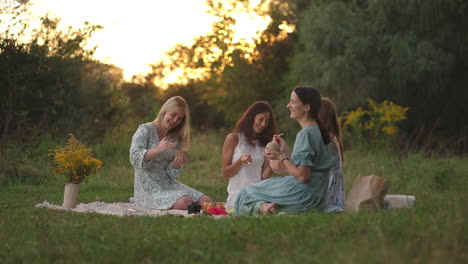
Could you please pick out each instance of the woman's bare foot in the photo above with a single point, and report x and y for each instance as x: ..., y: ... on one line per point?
x: 268, y: 208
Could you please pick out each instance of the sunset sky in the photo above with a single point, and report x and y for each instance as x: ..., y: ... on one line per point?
x: 137, y: 32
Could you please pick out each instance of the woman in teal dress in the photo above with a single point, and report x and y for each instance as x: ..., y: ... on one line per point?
x: 308, y: 165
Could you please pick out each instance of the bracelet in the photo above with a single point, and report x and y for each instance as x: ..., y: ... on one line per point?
x: 286, y: 158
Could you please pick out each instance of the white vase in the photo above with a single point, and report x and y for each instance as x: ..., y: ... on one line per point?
x: 70, y: 196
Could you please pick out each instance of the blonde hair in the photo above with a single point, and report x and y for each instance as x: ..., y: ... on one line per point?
x: 182, y: 131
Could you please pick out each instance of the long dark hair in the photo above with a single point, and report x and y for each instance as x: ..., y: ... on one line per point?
x: 245, y: 123
x: 311, y: 96
x: 331, y: 122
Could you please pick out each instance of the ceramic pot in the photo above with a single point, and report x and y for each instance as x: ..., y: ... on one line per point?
x: 70, y: 196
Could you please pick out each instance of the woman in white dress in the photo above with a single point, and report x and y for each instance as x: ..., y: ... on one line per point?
x: 242, y: 155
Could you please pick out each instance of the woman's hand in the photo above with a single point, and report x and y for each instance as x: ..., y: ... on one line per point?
x: 246, y: 159
x: 271, y: 155
x: 282, y: 143
x: 278, y: 167
x: 180, y: 158
x: 164, y: 145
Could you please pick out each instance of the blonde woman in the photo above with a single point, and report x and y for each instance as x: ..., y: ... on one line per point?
x: 158, y: 152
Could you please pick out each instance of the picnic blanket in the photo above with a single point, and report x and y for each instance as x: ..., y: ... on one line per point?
x: 121, y: 209
x: 117, y: 209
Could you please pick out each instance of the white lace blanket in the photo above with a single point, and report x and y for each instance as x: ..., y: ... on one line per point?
x: 127, y: 209
x: 117, y: 209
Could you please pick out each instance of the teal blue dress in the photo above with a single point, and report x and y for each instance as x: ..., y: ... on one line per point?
x: 292, y: 195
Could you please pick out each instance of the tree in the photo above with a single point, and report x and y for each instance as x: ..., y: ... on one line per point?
x: 412, y: 53
x: 50, y: 83
x: 232, y: 73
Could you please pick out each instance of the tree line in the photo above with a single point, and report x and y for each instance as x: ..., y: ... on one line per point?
x: 411, y: 53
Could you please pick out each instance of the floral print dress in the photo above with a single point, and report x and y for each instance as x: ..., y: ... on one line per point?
x: 336, y: 193
x: 155, y: 186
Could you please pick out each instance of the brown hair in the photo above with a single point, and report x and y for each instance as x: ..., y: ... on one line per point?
x: 182, y: 131
x: 311, y: 96
x: 329, y: 118
x: 245, y: 123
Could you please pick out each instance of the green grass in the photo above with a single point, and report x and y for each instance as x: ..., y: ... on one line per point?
x: 434, y: 231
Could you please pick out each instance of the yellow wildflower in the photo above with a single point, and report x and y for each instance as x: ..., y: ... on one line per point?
x: 380, y: 117
x: 75, y: 161
x: 390, y: 130
x: 353, y: 118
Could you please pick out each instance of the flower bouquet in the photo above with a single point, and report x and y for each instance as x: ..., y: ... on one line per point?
x: 75, y: 162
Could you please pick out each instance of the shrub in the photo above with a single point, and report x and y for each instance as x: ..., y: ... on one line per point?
x: 376, y: 125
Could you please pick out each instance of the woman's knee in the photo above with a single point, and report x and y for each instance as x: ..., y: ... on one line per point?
x: 182, y: 203
x: 204, y: 199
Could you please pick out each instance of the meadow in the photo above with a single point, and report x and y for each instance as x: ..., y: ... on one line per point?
x: 434, y: 231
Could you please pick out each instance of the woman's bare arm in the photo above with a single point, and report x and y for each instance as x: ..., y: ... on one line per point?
x: 267, y: 172
x: 230, y: 168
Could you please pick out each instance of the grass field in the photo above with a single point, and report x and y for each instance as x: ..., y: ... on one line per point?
x: 434, y: 231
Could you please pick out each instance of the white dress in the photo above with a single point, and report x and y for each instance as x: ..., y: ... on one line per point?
x: 248, y: 174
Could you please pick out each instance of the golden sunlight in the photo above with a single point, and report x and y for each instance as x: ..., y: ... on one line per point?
x: 249, y: 26
x: 137, y: 33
